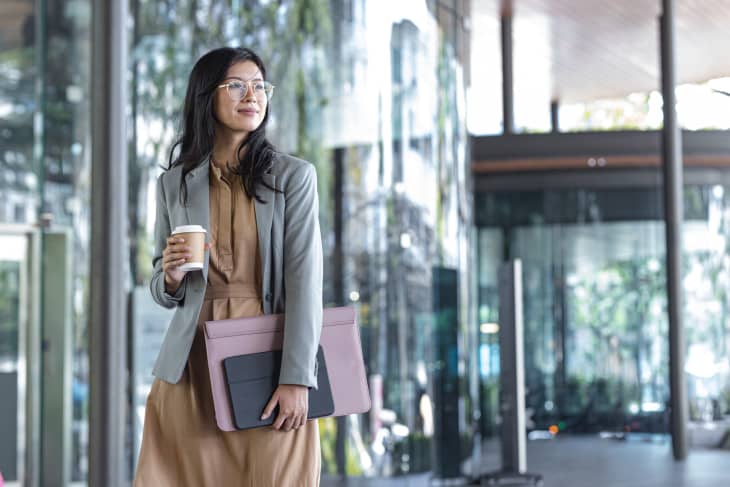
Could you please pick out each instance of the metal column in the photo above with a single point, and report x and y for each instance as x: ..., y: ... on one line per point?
x: 508, y: 110
x: 108, y: 296
x: 512, y: 366
x: 673, y: 214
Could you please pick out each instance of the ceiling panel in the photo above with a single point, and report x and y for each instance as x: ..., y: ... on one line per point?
x: 581, y: 50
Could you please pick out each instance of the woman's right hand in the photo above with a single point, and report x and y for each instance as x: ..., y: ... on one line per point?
x: 176, y: 253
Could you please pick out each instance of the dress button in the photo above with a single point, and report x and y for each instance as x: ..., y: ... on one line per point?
x: 268, y: 296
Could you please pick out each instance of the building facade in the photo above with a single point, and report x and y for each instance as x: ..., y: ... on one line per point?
x: 372, y: 94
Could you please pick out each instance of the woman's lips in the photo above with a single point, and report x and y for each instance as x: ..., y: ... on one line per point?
x: 248, y: 111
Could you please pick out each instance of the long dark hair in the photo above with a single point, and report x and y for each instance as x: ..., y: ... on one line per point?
x: 255, y: 153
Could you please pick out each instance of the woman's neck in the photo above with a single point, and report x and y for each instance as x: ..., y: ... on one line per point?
x: 225, y: 148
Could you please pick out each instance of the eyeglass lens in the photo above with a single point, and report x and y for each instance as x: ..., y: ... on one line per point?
x: 237, y: 90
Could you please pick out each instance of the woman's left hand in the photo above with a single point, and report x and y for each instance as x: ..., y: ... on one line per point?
x: 293, y: 401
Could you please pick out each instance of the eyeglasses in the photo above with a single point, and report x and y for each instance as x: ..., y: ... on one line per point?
x: 238, y: 89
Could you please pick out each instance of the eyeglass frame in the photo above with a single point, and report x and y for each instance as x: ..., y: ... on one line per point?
x: 247, y: 84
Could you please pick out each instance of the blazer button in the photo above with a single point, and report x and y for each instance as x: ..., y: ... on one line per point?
x: 268, y: 296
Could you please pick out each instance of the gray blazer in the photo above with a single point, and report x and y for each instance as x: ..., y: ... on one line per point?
x: 290, y: 244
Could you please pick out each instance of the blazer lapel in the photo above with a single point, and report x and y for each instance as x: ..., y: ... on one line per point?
x: 264, y: 218
x: 198, y: 206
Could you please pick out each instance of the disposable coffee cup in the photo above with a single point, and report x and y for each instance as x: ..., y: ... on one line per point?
x: 194, y: 236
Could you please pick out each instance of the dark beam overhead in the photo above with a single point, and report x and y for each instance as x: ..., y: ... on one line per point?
x: 593, y: 144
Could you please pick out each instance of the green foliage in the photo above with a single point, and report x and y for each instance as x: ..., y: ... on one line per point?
x: 327, y: 438
x: 617, y: 318
x: 630, y: 113
x: 353, y: 467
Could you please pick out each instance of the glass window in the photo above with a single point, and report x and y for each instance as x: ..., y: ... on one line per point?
x: 596, y: 346
x: 44, y: 174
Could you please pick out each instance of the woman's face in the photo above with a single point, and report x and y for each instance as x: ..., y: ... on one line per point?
x: 242, y: 115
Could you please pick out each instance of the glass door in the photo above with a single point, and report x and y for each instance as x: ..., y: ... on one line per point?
x: 19, y: 355
x: 594, y: 306
x: 595, y: 324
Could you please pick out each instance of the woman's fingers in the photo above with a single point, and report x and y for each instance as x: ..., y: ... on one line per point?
x: 175, y: 253
x: 292, y: 402
x: 271, y: 405
x: 298, y: 420
x: 281, y: 419
x: 288, y: 421
x: 176, y: 258
x: 172, y: 263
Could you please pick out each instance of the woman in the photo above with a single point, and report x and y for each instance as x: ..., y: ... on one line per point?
x: 263, y: 255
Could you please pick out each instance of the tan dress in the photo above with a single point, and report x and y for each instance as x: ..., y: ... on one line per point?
x: 181, y: 443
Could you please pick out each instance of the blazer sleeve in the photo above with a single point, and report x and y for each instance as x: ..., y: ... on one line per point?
x: 302, y: 278
x: 162, y: 231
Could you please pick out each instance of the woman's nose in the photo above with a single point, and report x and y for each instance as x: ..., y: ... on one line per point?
x: 250, y: 94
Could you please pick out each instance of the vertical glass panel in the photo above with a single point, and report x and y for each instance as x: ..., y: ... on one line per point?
x: 379, y: 89
x: 707, y: 301
x: 490, y: 256
x: 11, y: 379
x: 537, y: 248
x: 66, y: 167
x: 614, y: 351
x: 9, y: 313
x: 44, y: 159
x: 18, y: 203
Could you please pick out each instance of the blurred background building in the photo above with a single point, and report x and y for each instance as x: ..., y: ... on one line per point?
x: 424, y: 192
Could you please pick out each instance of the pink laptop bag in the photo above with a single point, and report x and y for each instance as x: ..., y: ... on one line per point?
x: 340, y: 342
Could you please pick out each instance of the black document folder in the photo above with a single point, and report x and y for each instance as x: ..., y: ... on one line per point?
x: 252, y: 379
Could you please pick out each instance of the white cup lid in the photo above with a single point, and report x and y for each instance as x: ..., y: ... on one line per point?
x: 188, y: 229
